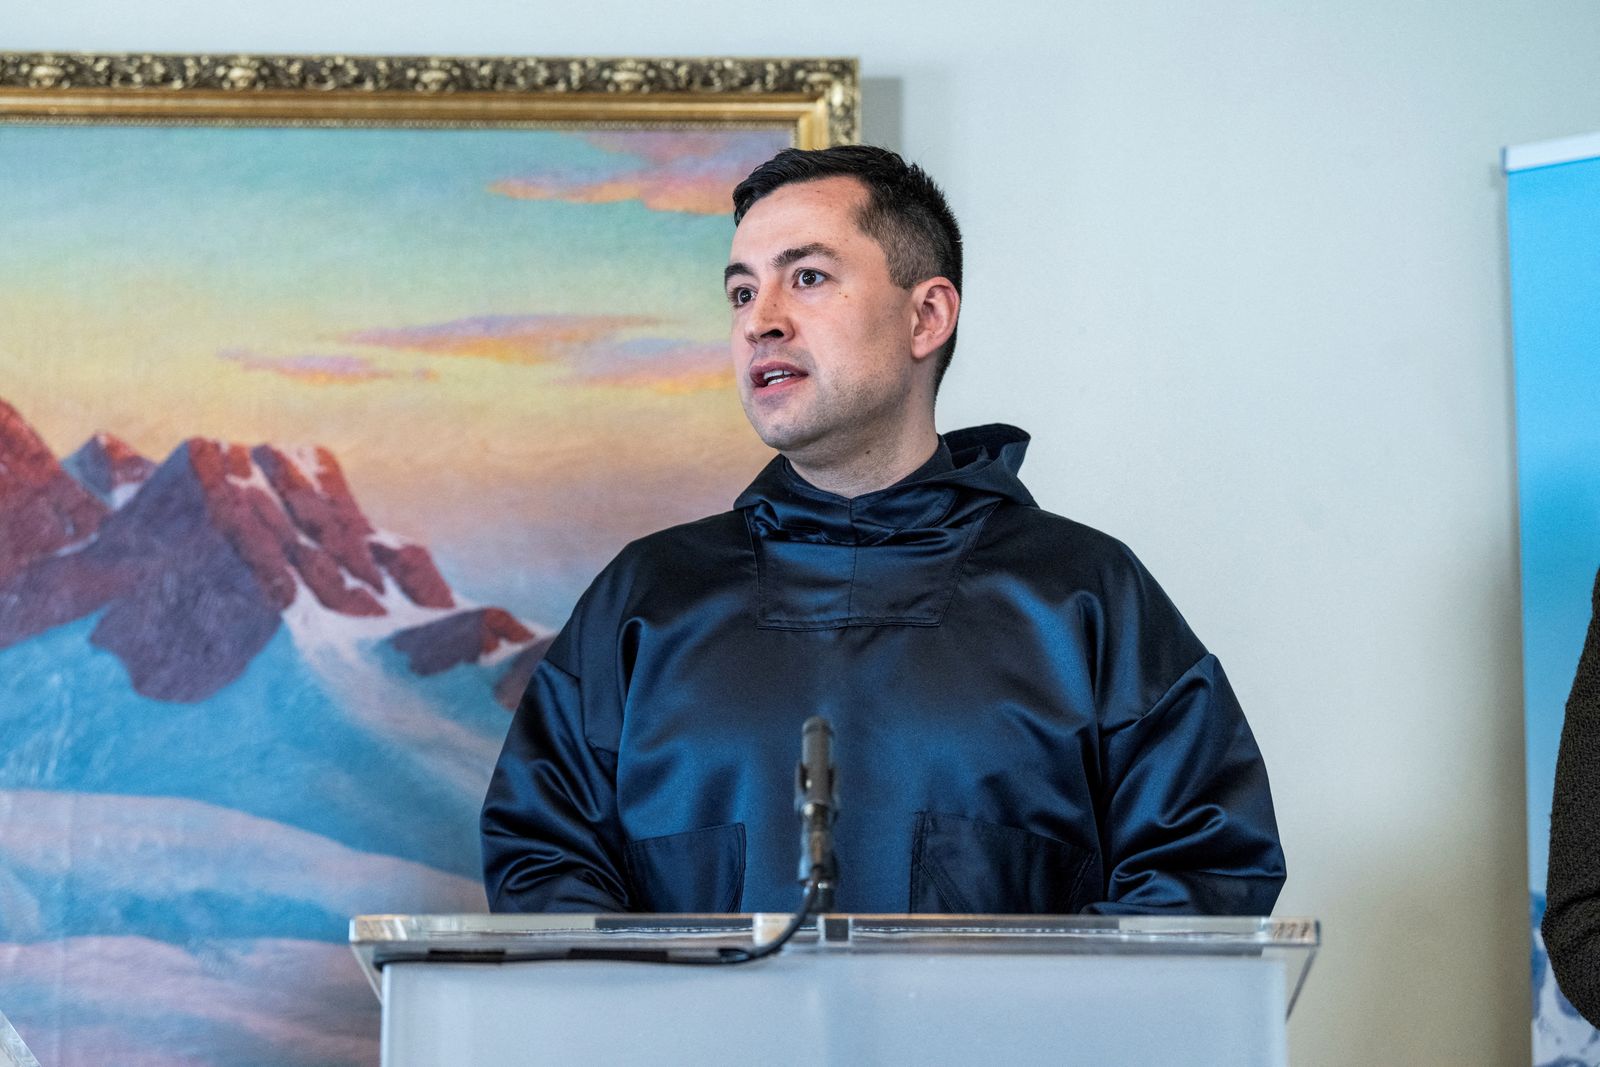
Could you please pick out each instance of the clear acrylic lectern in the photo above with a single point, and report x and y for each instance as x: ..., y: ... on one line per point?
x: 13, y: 1053
x: 849, y: 989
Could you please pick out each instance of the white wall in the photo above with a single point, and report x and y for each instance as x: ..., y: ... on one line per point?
x: 1239, y: 267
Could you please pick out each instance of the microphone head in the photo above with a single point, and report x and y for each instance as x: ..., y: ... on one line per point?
x: 817, y: 801
x: 817, y: 777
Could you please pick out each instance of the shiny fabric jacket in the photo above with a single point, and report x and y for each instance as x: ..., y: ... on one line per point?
x: 1023, y: 721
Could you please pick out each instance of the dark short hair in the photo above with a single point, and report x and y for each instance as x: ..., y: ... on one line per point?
x: 905, y: 212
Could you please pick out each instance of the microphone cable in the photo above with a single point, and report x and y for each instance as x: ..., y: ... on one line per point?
x: 724, y: 956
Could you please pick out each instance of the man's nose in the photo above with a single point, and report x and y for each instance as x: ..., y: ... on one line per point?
x: 768, y: 319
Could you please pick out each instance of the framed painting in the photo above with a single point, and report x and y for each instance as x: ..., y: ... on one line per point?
x: 326, y: 384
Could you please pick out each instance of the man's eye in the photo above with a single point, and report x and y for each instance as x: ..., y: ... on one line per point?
x: 740, y: 295
x: 809, y: 277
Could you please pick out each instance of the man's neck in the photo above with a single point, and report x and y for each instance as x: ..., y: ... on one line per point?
x: 858, y: 473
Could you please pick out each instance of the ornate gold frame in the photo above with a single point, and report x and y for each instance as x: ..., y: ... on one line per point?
x: 818, y: 98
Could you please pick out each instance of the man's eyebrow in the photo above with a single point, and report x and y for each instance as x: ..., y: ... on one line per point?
x: 783, y: 259
x: 790, y: 255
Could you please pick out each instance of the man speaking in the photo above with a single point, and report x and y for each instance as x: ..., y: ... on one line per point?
x: 1023, y: 721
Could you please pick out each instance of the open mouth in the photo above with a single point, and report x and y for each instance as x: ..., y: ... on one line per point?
x: 767, y: 375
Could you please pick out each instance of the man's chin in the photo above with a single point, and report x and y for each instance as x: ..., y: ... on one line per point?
x: 785, y: 439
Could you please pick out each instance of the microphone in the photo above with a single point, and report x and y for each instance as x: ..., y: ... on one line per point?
x: 817, y: 801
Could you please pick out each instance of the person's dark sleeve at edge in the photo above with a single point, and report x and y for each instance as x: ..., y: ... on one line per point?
x: 552, y: 840
x: 1571, y: 924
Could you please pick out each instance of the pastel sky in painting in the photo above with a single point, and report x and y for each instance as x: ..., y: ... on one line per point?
x: 664, y: 171
x: 514, y: 340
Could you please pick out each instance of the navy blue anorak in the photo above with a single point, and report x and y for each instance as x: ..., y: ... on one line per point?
x: 1023, y: 721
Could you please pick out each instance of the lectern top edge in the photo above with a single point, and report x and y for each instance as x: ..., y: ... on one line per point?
x: 1107, y: 930
x: 379, y: 940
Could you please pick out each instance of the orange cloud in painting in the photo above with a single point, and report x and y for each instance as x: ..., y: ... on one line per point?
x: 589, y: 347
x: 529, y: 339
x: 666, y: 171
x: 658, y: 364
x: 320, y: 369
x: 658, y: 192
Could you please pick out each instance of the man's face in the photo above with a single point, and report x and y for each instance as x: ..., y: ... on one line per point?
x: 821, y: 335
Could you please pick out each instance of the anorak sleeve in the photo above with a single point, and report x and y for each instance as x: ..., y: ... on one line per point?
x: 1187, y: 823
x: 1183, y: 805
x: 552, y: 840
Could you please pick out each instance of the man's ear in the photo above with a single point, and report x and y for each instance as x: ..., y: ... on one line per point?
x: 935, y: 305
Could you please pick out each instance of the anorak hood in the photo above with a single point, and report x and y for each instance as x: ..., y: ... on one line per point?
x: 890, y: 557
x: 971, y: 469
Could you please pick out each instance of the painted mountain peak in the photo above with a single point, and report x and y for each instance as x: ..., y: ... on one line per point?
x: 197, y: 568
x: 466, y: 637
x: 42, y: 509
x: 110, y: 468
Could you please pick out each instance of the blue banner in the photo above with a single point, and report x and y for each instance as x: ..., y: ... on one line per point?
x: 1554, y: 229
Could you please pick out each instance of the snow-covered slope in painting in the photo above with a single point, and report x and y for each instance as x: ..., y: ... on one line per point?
x: 183, y: 871
x: 362, y: 755
x: 140, y: 1002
